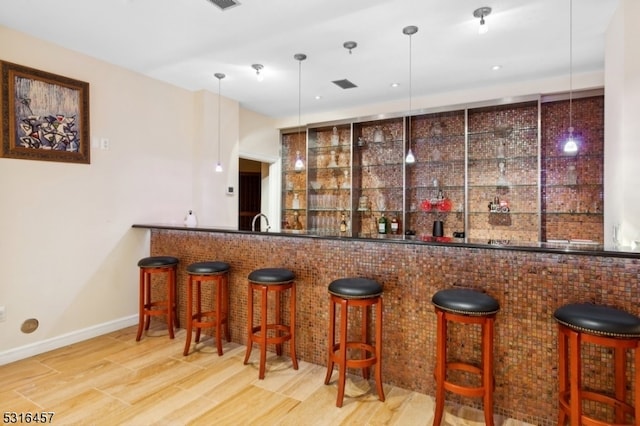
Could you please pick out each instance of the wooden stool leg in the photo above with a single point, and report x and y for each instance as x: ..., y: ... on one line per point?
x: 147, y: 299
x: 187, y: 345
x: 636, y: 383
x: 562, y: 373
x: 575, y: 379
x: 197, y: 315
x: 441, y: 360
x: 278, y: 320
x: 263, y: 331
x: 174, y: 298
x: 219, y: 303
x: 342, y: 363
x: 170, y: 302
x: 225, y: 305
x: 141, y: 301
x: 331, y: 339
x: 249, y: 324
x: 379, y: 350
x: 620, y: 372
x: 292, y: 326
x: 364, y: 337
x: 487, y: 370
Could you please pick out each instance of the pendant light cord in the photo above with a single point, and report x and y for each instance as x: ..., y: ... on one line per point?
x: 299, y: 95
x: 219, y: 95
x: 410, y: 90
x: 571, y: 65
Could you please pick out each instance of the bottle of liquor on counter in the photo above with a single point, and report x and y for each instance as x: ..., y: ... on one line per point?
x: 382, y: 225
x: 296, y: 202
x: 394, y: 225
x: 343, y: 224
x: 296, y: 221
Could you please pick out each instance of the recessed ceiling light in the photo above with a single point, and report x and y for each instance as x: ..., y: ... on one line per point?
x: 496, y: 67
x: 395, y: 84
x: 318, y: 97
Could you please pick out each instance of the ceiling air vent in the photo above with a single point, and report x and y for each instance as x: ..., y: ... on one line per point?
x: 224, y: 4
x: 344, y: 84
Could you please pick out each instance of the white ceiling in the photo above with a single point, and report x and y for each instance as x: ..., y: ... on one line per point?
x: 184, y: 42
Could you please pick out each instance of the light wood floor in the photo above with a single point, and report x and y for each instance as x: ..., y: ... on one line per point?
x: 114, y: 380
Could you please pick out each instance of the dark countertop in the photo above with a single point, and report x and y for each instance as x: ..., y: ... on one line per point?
x: 575, y: 248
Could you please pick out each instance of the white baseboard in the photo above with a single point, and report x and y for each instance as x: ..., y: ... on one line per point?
x: 46, y: 345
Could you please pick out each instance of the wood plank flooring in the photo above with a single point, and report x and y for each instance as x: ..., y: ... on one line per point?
x: 114, y: 380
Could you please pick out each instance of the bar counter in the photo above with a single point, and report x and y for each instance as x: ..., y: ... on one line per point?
x: 529, y: 280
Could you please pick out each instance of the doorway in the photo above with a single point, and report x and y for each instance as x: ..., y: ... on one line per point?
x: 249, y: 193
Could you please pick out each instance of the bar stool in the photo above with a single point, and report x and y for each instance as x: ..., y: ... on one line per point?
x: 360, y: 293
x: 275, y: 281
x: 604, y: 326
x: 465, y: 306
x: 218, y: 273
x: 158, y: 266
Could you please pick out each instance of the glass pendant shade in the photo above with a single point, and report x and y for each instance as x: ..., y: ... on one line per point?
x: 410, y: 158
x: 570, y: 145
x: 218, y: 167
x: 299, y: 164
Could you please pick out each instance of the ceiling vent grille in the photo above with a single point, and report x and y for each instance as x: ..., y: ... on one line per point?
x: 344, y: 84
x: 224, y: 4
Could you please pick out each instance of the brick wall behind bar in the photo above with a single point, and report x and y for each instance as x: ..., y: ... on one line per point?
x: 528, y: 285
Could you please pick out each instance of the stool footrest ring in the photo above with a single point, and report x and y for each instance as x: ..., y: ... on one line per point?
x: 257, y: 337
x: 356, y: 362
x: 597, y: 397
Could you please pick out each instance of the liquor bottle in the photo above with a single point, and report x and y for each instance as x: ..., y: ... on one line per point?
x: 343, y: 224
x: 394, y: 225
x: 296, y: 202
x: 382, y: 225
x: 296, y: 221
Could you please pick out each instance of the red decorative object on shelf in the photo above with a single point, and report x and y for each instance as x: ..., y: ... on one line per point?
x: 443, y: 205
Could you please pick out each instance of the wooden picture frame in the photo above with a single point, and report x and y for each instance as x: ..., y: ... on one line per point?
x: 44, y: 116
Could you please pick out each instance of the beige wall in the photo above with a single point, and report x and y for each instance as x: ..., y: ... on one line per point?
x: 69, y: 253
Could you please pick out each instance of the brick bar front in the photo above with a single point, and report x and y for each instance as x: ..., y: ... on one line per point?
x: 529, y: 284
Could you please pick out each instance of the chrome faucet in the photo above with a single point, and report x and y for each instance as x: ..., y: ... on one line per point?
x: 253, y: 222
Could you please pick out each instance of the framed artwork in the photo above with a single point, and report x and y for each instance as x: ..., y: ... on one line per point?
x: 44, y: 116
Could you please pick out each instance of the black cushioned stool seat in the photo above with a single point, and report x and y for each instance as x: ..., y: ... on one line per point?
x: 604, y: 326
x: 217, y: 273
x: 157, y: 266
x: 360, y: 293
x: 277, y: 281
x: 465, y: 306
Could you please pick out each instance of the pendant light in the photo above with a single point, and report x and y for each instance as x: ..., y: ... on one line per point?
x: 410, y: 30
x: 481, y: 13
x: 219, y: 76
x: 258, y: 68
x: 299, y: 164
x: 570, y: 145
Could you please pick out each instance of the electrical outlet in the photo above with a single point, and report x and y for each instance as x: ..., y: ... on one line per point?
x: 3, y: 314
x: 104, y: 144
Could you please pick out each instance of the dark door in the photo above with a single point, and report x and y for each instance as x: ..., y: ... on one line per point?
x: 249, y: 199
